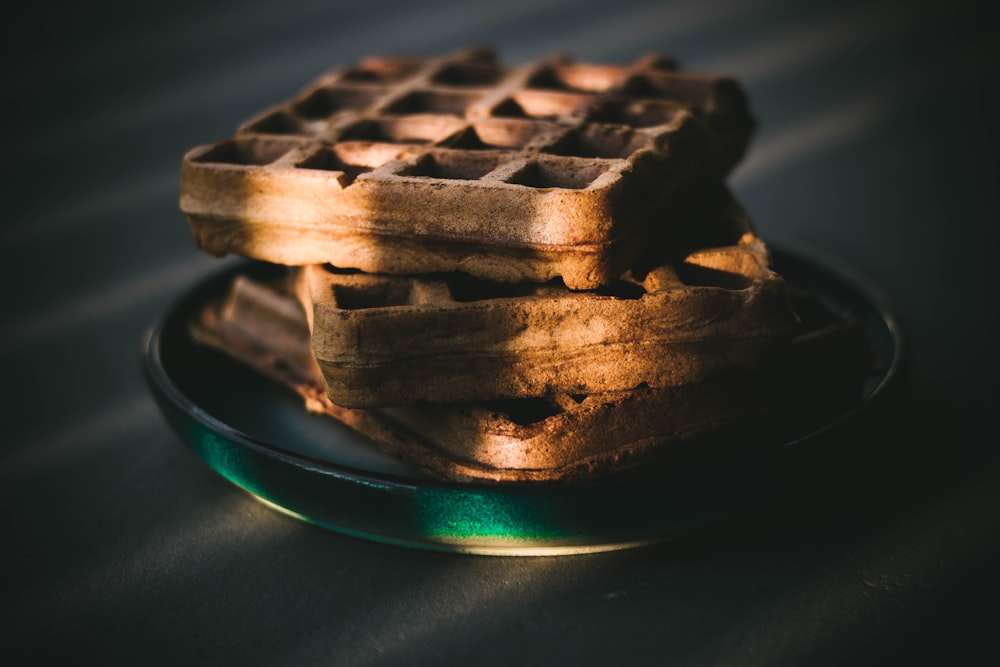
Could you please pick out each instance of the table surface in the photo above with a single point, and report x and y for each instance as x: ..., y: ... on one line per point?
x: 876, y: 153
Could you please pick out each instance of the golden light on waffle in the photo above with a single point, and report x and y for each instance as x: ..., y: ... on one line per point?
x: 561, y: 436
x: 409, y: 165
x: 500, y: 273
x: 390, y: 340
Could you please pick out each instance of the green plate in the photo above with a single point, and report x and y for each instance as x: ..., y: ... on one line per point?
x: 259, y: 436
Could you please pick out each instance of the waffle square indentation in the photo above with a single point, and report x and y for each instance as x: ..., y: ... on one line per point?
x: 371, y: 293
x: 525, y: 411
x: 495, y: 135
x: 432, y: 101
x: 638, y: 113
x: 539, y: 104
x: 323, y: 102
x: 464, y: 288
x: 600, y: 141
x: 451, y: 166
x: 403, y: 130
x: 330, y: 160
x: 542, y: 175
x: 576, y: 78
x: 250, y: 152
x: 279, y: 122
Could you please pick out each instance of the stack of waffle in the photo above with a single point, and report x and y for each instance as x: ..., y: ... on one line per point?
x: 499, y: 273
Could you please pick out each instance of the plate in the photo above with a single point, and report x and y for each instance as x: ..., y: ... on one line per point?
x: 258, y: 436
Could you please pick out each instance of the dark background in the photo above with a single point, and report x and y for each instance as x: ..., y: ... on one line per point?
x: 876, y: 153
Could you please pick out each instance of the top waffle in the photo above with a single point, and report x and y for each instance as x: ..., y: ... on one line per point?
x: 415, y: 165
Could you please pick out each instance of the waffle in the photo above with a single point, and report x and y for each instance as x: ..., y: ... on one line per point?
x: 392, y: 340
x: 562, y: 437
x: 458, y: 163
x: 263, y: 326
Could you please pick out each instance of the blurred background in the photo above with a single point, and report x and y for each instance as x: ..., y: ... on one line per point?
x: 876, y: 152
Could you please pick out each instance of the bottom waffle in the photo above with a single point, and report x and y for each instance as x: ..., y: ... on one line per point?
x: 563, y: 437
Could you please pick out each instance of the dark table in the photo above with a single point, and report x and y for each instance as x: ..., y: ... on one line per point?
x: 876, y: 153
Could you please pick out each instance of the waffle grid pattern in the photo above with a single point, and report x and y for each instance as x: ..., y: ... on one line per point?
x: 552, y: 155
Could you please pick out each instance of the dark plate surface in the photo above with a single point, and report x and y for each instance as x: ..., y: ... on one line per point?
x: 259, y: 436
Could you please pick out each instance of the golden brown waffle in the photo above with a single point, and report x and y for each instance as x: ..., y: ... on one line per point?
x: 416, y: 165
x: 392, y: 340
x: 561, y: 437
x: 564, y: 437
